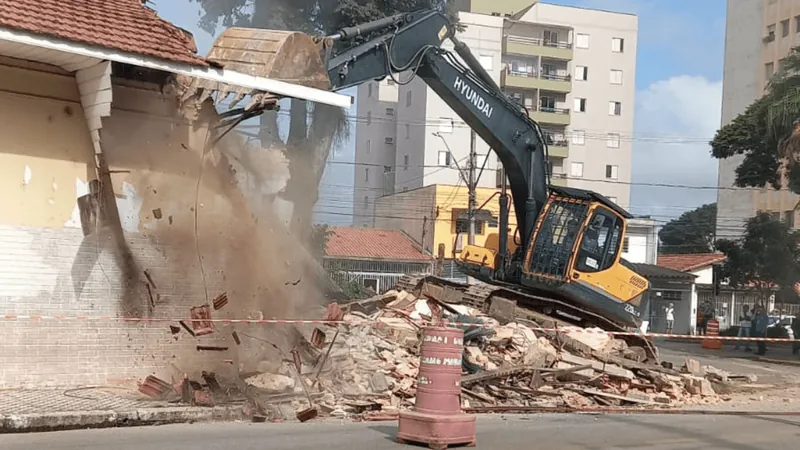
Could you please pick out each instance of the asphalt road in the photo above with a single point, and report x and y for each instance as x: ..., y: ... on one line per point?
x: 496, y: 433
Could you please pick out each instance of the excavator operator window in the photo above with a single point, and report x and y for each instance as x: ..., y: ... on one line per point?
x: 600, y: 244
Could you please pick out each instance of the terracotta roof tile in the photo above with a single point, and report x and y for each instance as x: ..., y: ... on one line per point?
x: 124, y: 25
x: 689, y: 262
x: 372, y: 243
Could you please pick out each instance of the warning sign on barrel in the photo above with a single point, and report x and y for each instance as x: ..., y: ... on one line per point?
x: 434, y: 361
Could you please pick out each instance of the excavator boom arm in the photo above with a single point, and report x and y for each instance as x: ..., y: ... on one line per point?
x: 412, y: 43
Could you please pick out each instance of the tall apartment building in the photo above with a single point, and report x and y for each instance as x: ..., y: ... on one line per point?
x: 375, y: 136
x: 427, y: 127
x: 573, y: 68
x: 758, y: 35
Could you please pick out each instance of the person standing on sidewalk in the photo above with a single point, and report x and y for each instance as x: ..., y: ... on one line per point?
x: 759, y: 327
x: 670, y: 315
x: 745, y: 322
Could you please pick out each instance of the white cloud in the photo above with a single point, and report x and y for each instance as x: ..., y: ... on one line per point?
x: 675, y: 118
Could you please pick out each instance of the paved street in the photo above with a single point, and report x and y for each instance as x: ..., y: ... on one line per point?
x: 495, y: 433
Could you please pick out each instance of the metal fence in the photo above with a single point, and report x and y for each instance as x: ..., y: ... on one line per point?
x: 381, y: 276
x: 729, y: 305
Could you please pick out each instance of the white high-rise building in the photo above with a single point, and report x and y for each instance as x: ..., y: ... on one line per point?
x: 574, y: 69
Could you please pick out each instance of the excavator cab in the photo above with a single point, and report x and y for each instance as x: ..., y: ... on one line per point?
x: 575, y: 253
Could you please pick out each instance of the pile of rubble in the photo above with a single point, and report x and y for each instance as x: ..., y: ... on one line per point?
x: 366, y: 366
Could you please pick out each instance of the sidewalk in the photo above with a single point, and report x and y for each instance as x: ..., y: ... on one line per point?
x: 30, y: 410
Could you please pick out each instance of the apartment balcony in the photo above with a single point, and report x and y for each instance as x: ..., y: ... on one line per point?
x: 558, y: 149
x: 553, y: 116
x: 558, y: 179
x: 520, y: 45
x: 528, y: 80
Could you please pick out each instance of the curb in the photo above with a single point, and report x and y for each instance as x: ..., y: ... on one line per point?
x: 60, y: 421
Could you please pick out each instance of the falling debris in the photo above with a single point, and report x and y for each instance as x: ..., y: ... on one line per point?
x: 157, y: 213
x: 211, y: 348
x: 220, y: 301
x: 174, y: 329
x: 201, y: 320
x: 236, y: 339
x: 187, y: 328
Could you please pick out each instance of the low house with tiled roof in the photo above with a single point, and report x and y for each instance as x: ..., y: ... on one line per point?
x: 112, y: 201
x: 727, y: 300
x: 374, y: 258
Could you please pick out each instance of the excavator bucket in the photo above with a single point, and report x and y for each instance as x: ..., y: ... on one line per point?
x: 288, y: 56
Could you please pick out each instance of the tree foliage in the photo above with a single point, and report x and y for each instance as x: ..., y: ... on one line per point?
x: 314, y: 130
x: 768, y: 255
x: 767, y: 133
x: 692, y: 232
x: 319, y: 240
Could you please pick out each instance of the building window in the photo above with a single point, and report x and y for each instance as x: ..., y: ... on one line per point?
x: 770, y: 33
x: 390, y: 82
x: 550, y: 38
x: 617, y: 45
x: 369, y: 146
x: 547, y: 104
x: 582, y: 40
x: 408, y: 98
x: 369, y: 90
x: 578, y: 137
x: 789, y: 219
x: 369, y: 117
x: 445, y: 125
x: 625, y: 242
x: 579, y: 104
x: 581, y: 73
x: 388, y: 140
x: 487, y: 62
x: 613, y: 140
x: 366, y: 174
x: 612, y: 172
x: 614, y: 108
x: 444, y: 159
x: 366, y: 202
x: 615, y: 76
x: 785, y: 28
x: 408, y: 131
x: 797, y: 24
x: 405, y: 162
x: 389, y: 111
x: 769, y: 70
x: 576, y: 170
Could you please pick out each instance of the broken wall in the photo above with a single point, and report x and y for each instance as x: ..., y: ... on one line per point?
x: 185, y: 222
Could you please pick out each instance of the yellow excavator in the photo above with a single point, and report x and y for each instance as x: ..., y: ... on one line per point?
x: 566, y: 262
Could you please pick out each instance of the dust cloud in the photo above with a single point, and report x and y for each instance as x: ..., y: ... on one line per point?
x: 210, y: 214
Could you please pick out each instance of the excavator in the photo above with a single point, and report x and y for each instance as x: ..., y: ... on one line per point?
x: 565, y: 261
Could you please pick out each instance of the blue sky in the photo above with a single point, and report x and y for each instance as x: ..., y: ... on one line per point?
x: 679, y: 90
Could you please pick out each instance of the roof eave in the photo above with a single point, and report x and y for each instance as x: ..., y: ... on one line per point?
x: 200, y: 70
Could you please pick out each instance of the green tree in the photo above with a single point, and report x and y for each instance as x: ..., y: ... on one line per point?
x: 767, y: 133
x: 313, y: 129
x: 692, y: 232
x: 767, y: 255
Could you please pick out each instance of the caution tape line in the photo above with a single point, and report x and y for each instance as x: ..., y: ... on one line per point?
x: 360, y: 322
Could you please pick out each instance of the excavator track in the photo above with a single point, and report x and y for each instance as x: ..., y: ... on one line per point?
x: 479, y: 296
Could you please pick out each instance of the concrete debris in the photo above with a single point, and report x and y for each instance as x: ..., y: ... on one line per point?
x: 372, y: 370
x: 364, y: 364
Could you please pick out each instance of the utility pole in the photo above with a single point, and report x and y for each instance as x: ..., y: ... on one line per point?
x: 472, y: 186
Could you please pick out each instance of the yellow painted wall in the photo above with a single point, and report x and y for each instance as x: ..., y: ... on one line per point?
x: 449, y: 198
x: 43, y: 134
